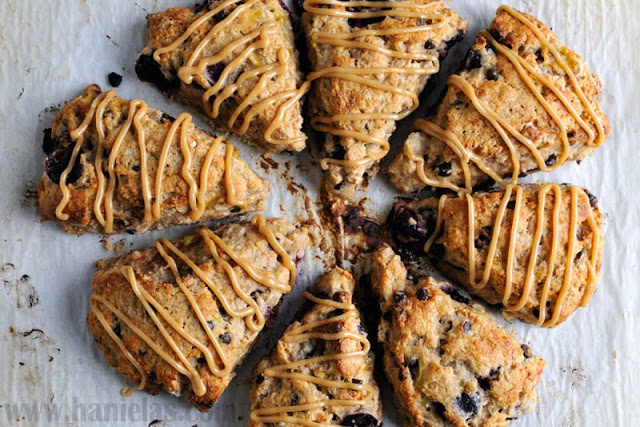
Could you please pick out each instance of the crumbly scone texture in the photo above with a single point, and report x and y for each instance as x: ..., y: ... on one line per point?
x: 251, y: 92
x: 499, y: 86
x: 450, y: 252
x: 154, y: 276
x: 449, y: 361
x: 335, y: 96
x: 128, y: 201
x: 270, y: 392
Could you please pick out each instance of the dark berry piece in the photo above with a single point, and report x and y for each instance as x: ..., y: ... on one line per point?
x: 484, y: 239
x: 492, y: 75
x: 414, y: 367
x: 148, y: 70
x: 468, y: 405
x: 422, y: 294
x: 455, y: 295
x: 152, y: 377
x: 551, y: 160
x: 214, y: 71
x: 526, y: 351
x: 135, y: 168
x: 536, y: 312
x: 363, y: 22
x: 444, y: 169
x: 593, y: 200
x: 539, y: 55
x: 201, y: 360
x: 439, y: 409
x: 260, y: 379
x: 236, y: 209
x: 429, y: 45
x: 356, y: 381
x: 58, y: 161
x: 466, y: 327
x: 511, y: 204
x: 361, y: 420
x: 115, y: 79
x: 399, y: 297
x: 571, y: 134
x: 117, y: 331
x: 473, y: 61
x: 168, y: 117
x: 225, y: 338
x: 340, y: 296
x: 210, y: 324
x: 49, y: 144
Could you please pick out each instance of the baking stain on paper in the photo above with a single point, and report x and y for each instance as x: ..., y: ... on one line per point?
x: 20, y: 288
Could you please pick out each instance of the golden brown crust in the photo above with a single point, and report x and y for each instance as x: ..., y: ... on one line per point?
x: 450, y: 250
x: 154, y: 276
x: 499, y: 86
x: 337, y: 96
x: 128, y: 202
x: 449, y: 362
x: 271, y: 392
x: 167, y: 26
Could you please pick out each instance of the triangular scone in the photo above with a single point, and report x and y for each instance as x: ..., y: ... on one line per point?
x: 183, y: 315
x: 449, y: 361
x: 115, y: 165
x: 369, y: 66
x: 520, y: 233
x: 232, y: 62
x: 321, y: 371
x: 522, y: 103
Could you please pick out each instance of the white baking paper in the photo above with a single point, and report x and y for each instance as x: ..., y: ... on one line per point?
x: 51, y: 372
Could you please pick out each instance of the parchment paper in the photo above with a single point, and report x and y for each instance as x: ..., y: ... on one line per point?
x: 52, y: 373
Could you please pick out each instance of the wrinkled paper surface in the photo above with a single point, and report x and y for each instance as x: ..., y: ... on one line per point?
x: 53, y: 373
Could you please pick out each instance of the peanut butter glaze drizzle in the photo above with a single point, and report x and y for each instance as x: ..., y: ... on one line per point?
x: 290, y: 370
x: 195, y: 70
x: 418, y: 62
x: 544, y: 223
x: 181, y: 129
x: 250, y: 312
x: 506, y: 131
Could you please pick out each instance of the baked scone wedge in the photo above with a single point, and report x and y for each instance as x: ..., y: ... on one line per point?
x: 449, y: 361
x: 522, y: 102
x: 321, y: 370
x: 536, y: 250
x: 181, y: 316
x: 233, y: 63
x: 370, y: 62
x: 115, y: 165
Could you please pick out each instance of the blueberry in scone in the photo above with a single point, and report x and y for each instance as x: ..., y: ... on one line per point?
x: 370, y: 61
x: 234, y: 63
x: 181, y: 316
x: 321, y: 370
x: 522, y: 102
x: 449, y: 361
x: 116, y: 165
x: 535, y: 250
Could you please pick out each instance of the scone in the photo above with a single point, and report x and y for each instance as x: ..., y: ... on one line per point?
x: 370, y: 62
x: 521, y: 103
x: 115, y: 165
x: 233, y: 63
x: 181, y: 316
x: 321, y: 371
x: 449, y: 361
x: 536, y: 250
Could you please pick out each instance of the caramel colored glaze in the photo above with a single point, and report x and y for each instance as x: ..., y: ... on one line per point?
x: 541, y: 226
x: 362, y: 75
x: 253, y: 317
x: 195, y: 71
x: 288, y: 370
x: 152, y: 203
x: 508, y: 133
